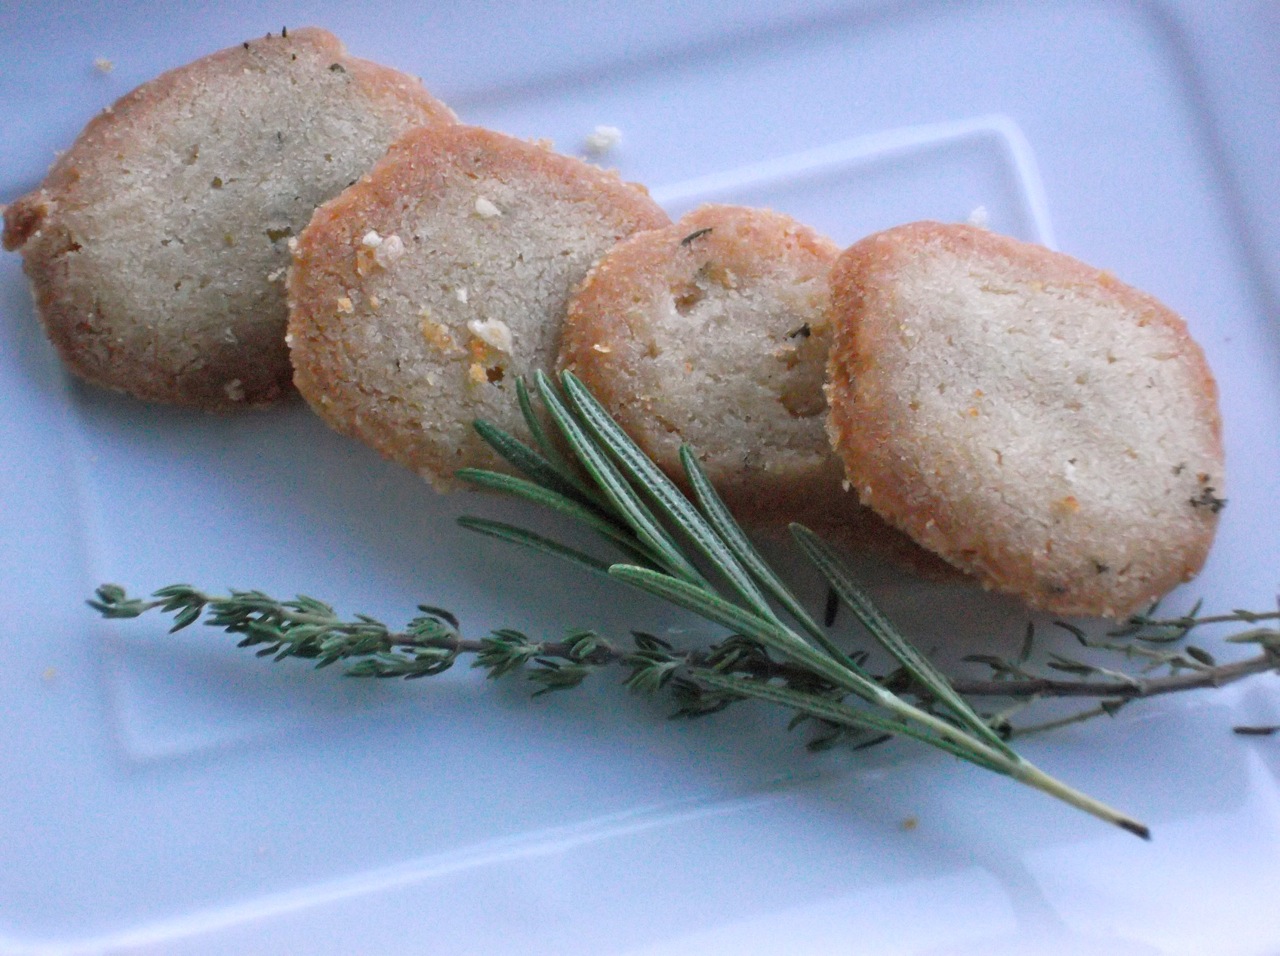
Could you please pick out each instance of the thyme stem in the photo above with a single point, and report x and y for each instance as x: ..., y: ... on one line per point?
x: 1034, y: 777
x: 1040, y: 687
x: 1218, y: 676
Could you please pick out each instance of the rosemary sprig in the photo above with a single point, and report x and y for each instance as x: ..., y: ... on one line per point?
x: 645, y: 500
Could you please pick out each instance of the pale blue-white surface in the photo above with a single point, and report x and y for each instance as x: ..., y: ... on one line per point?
x: 174, y: 795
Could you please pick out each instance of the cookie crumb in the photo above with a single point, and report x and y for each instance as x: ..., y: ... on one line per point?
x: 103, y: 65
x: 389, y: 251
x: 378, y: 252
x: 980, y: 217
x: 492, y: 332
x: 601, y: 140
x: 485, y: 209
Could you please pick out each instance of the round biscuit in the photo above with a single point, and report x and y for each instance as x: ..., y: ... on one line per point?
x: 714, y: 333
x: 157, y: 245
x: 422, y: 293
x: 1032, y: 419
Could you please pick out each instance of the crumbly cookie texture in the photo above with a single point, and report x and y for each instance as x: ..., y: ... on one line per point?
x: 1033, y: 420
x: 714, y: 333
x: 157, y: 245
x: 404, y: 351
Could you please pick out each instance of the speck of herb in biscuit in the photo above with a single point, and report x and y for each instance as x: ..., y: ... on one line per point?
x: 1207, y: 499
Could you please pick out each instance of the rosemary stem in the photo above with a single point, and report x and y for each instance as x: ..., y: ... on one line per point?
x: 918, y: 723
x: 1025, y: 772
x: 1029, y: 774
x: 1032, y: 776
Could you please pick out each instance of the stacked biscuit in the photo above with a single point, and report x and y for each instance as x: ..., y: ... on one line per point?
x: 957, y: 400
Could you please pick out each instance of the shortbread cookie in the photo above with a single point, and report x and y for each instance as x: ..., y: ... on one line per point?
x: 714, y: 333
x: 1031, y: 419
x: 157, y: 245
x: 420, y: 294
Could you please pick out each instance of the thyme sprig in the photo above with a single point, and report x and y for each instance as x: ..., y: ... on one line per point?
x: 689, y: 551
x: 311, y: 630
x: 1167, y: 664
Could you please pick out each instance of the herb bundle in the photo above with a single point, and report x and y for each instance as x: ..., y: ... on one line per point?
x: 691, y: 552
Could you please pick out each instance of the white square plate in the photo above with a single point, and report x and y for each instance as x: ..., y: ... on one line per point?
x: 173, y: 794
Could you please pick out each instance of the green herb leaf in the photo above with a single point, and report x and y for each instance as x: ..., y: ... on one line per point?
x: 528, y: 462
x: 534, y: 542
x: 618, y: 535
x: 628, y: 504
x: 920, y: 667
x: 662, y: 490
x: 738, y: 542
